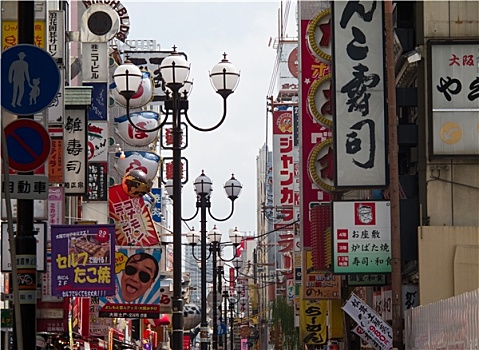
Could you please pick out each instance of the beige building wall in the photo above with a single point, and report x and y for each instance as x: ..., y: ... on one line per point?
x: 448, y: 261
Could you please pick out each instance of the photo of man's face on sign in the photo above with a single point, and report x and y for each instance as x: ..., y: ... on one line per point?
x: 138, y: 283
x: 141, y: 271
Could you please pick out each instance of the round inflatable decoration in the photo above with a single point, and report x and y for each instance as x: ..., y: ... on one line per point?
x: 148, y: 162
x: 192, y: 316
x: 135, y: 183
x: 145, y: 120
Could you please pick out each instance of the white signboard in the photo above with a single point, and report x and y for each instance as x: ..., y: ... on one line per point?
x: 41, y: 240
x: 95, y: 62
x: 455, y: 105
x: 373, y: 325
x: 361, y: 237
x: 26, y: 186
x: 360, y: 87
x: 56, y: 34
x: 75, y: 152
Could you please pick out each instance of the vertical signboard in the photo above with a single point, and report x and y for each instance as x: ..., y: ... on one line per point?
x: 361, y: 237
x: 360, y: 94
x: 454, y: 98
x: 75, y: 152
x: 313, y: 322
x: 56, y: 206
x: 95, y: 62
x: 283, y: 166
x: 55, y: 160
x: 56, y: 35
x: 314, y: 68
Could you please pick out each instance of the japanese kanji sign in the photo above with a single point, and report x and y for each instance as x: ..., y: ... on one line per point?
x: 359, y: 79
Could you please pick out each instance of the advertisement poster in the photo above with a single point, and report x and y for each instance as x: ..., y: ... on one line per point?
x: 82, y: 260
x: 142, y: 291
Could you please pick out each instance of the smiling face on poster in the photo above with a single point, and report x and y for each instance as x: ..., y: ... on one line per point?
x: 142, y: 291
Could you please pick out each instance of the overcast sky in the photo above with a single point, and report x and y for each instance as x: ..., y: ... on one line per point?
x: 204, y: 30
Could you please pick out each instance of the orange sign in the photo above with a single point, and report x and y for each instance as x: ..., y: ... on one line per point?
x: 10, y: 34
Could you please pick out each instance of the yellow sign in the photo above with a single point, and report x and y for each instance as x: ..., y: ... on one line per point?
x: 313, y: 328
x: 319, y: 284
x: 10, y: 34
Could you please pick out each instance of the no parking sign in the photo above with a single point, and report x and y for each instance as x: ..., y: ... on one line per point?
x: 28, y: 144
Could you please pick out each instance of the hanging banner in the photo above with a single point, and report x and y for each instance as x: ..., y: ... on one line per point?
x: 313, y: 328
x: 374, y: 326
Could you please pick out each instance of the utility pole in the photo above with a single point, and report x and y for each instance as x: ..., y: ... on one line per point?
x: 396, y: 277
x: 25, y: 241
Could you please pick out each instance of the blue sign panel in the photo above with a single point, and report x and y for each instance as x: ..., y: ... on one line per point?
x: 98, y: 109
x: 221, y: 329
x: 30, y: 79
x: 156, y: 209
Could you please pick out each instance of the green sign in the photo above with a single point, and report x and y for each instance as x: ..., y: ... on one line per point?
x: 7, y: 318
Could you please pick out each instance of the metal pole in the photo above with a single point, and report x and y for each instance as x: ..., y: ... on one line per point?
x: 396, y: 279
x: 225, y: 317
x: 232, y: 339
x: 220, y: 293
x: 177, y: 300
x: 204, y: 322
x: 215, y: 301
x: 25, y: 241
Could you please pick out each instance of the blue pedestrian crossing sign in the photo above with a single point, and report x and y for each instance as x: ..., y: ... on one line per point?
x: 221, y: 329
x: 30, y: 79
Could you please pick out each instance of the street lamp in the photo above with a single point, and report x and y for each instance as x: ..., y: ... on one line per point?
x: 237, y: 263
x: 127, y: 78
x: 203, y: 188
x: 214, y: 238
x: 232, y: 301
x: 174, y: 70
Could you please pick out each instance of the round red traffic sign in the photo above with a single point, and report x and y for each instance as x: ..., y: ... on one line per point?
x: 28, y: 144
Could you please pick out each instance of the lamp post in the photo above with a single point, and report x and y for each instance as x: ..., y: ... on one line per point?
x: 214, y: 237
x: 203, y: 189
x: 237, y: 263
x: 175, y: 70
x: 232, y: 301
